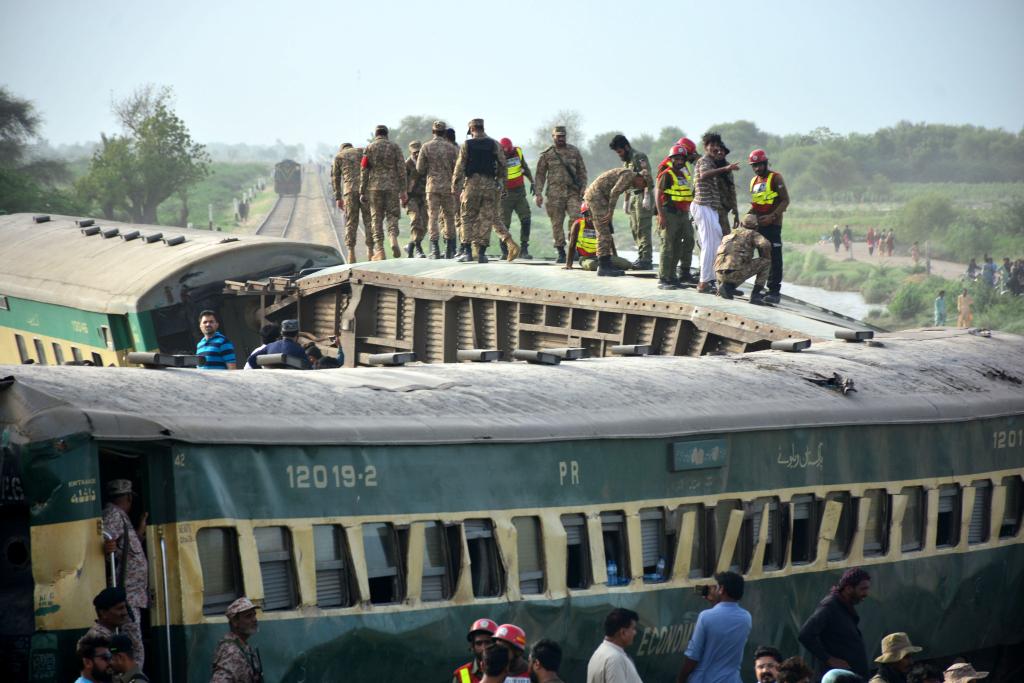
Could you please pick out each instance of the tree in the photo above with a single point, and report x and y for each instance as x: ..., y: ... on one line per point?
x: 412, y: 128
x: 152, y: 160
x: 570, y: 118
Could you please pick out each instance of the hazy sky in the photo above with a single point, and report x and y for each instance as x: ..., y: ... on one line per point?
x: 306, y: 72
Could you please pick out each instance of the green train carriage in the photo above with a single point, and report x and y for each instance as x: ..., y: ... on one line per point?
x: 74, y: 290
x: 374, y: 513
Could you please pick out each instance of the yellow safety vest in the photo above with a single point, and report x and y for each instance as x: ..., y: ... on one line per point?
x: 679, y: 193
x: 586, y: 240
x: 515, y: 165
x: 761, y: 192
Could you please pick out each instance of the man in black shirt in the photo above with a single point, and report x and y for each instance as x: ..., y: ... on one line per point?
x: 832, y: 634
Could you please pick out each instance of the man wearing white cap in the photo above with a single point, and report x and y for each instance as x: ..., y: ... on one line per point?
x: 961, y: 673
x: 895, y: 660
x: 234, y: 660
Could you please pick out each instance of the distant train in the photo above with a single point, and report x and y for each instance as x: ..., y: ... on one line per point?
x: 72, y: 290
x: 287, y: 177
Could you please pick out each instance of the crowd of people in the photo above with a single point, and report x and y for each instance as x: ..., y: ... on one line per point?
x: 460, y: 193
x: 1006, y: 278
x: 499, y: 653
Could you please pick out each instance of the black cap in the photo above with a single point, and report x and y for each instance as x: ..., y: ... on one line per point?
x: 121, y: 643
x: 108, y: 597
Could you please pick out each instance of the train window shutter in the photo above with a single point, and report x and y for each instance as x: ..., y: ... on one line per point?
x: 218, y: 558
x: 333, y: 579
x: 436, y: 583
x: 577, y: 570
x: 616, y: 549
x: 980, y: 512
x: 1012, y: 511
x: 528, y: 543
x: 913, y: 519
x: 876, y: 532
x: 477, y: 528
x: 652, y: 533
x: 805, y: 536
x: 485, y: 563
x: 273, y: 544
x: 947, y: 532
x: 380, y: 546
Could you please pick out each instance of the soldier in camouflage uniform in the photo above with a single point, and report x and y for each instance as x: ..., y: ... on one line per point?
x: 601, y: 197
x: 416, y: 207
x: 234, y: 660
x: 638, y: 203
x: 561, y: 167
x: 481, y: 167
x: 125, y: 541
x: 111, y: 606
x: 735, y: 262
x: 436, y: 162
x: 346, y: 196
x: 382, y: 182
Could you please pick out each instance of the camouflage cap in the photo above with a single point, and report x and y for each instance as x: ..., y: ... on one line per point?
x: 242, y: 604
x: 119, y: 487
x: 476, y: 123
x: 345, y: 145
x: 558, y: 130
x: 415, y: 145
x: 749, y: 221
x: 380, y: 129
x: 439, y: 127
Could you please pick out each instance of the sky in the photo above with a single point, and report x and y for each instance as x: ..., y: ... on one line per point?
x: 319, y: 71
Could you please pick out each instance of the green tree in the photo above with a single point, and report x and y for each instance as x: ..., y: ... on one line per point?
x: 413, y: 128
x: 153, y: 159
x: 573, y: 122
x: 925, y: 217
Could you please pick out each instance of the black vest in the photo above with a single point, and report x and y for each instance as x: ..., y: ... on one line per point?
x: 480, y: 158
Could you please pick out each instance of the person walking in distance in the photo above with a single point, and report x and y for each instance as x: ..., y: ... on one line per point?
x: 715, y: 651
x: 480, y: 637
x: 965, y: 316
x: 481, y: 166
x: 832, y: 633
x: 348, y: 163
x: 416, y: 206
x: 769, y: 199
x: 561, y: 170
x: 518, y: 172
x: 382, y: 183
x: 610, y: 663
x: 704, y: 208
x: 436, y: 163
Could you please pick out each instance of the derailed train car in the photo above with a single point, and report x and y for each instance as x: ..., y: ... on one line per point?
x: 374, y: 513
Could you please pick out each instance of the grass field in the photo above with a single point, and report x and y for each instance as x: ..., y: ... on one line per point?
x: 225, y: 183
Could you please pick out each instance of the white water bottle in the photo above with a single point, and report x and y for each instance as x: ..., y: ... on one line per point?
x: 660, y: 569
x: 613, y: 573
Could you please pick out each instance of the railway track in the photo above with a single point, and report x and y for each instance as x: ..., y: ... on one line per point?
x: 307, y: 216
x: 277, y: 222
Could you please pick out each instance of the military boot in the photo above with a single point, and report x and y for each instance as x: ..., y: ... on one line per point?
x: 481, y: 254
x: 435, y: 250
x: 449, y: 247
x: 524, y: 251
x: 510, y: 249
x: 524, y: 240
x: 606, y: 269
x: 408, y: 250
x: 561, y: 253
x: 727, y: 290
x: 350, y: 255
x: 504, y: 249
x: 378, y: 255
x: 419, y: 249
x: 757, y: 297
x: 396, y: 250
x: 465, y: 253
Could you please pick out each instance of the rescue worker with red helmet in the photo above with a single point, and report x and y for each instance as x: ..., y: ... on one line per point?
x: 513, y: 639
x: 674, y: 195
x: 480, y: 636
x: 518, y: 172
x: 769, y: 199
x: 583, y: 244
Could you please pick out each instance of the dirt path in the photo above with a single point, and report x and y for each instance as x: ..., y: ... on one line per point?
x: 946, y: 269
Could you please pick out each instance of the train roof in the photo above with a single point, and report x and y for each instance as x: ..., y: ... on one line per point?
x: 55, y: 262
x: 913, y: 377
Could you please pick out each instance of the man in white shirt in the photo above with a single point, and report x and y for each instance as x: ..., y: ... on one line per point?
x: 610, y: 663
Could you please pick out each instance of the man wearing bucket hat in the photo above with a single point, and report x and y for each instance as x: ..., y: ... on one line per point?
x: 895, y: 660
x: 480, y: 636
x: 235, y: 660
x: 124, y: 540
x: 961, y: 673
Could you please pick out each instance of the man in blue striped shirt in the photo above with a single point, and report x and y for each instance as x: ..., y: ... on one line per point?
x: 214, y: 346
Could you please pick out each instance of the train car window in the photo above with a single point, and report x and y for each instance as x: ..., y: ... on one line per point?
x: 981, y: 512
x: 488, y: 574
x: 699, y: 566
x: 839, y: 547
x: 219, y: 561
x: 437, y: 576
x: 1012, y: 512
x: 913, y: 518
x: 40, y: 351
x: 334, y: 580
x: 58, y: 354
x: 805, y: 530
x: 274, y: 545
x: 578, y: 574
x: 453, y: 537
x: 108, y: 340
x: 658, y: 546
x: 616, y: 549
x: 22, y: 348
x: 876, y: 534
x: 76, y: 353
x: 531, y: 555
x: 97, y: 360
x: 380, y: 544
x: 775, y: 546
x: 947, y: 530
x: 720, y: 520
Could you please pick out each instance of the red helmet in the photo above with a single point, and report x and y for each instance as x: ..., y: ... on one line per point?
x: 511, y: 634
x: 584, y: 207
x: 758, y: 156
x: 687, y: 144
x: 677, y: 151
x: 507, y: 146
x: 484, y: 625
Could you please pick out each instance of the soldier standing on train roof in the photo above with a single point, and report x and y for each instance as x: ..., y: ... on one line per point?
x: 417, y: 204
x: 561, y: 167
x: 481, y: 167
x: 638, y: 204
x: 349, y: 161
x: 735, y: 261
x: 480, y: 636
x: 382, y: 183
x: 601, y: 196
x: 513, y: 638
x: 769, y: 199
x: 235, y: 660
x: 436, y: 162
x: 125, y: 541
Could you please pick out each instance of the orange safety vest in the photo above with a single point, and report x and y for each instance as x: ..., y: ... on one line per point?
x: 680, y: 195
x: 514, y: 166
x: 586, y: 240
x: 762, y: 197
x: 464, y: 674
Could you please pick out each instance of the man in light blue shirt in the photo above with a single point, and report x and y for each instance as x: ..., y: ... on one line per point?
x: 715, y: 652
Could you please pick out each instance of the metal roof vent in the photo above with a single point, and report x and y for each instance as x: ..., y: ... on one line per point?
x: 631, y: 350
x: 42, y: 218
x: 129, y: 236
x: 279, y: 361
x: 112, y: 232
x: 165, y: 360
x: 478, y: 355
x: 570, y: 353
x: 855, y: 336
x: 85, y: 222
x: 174, y: 241
x: 228, y: 239
x: 400, y: 358
x: 536, y: 357
x: 155, y: 237
x: 90, y: 231
x: 791, y: 345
